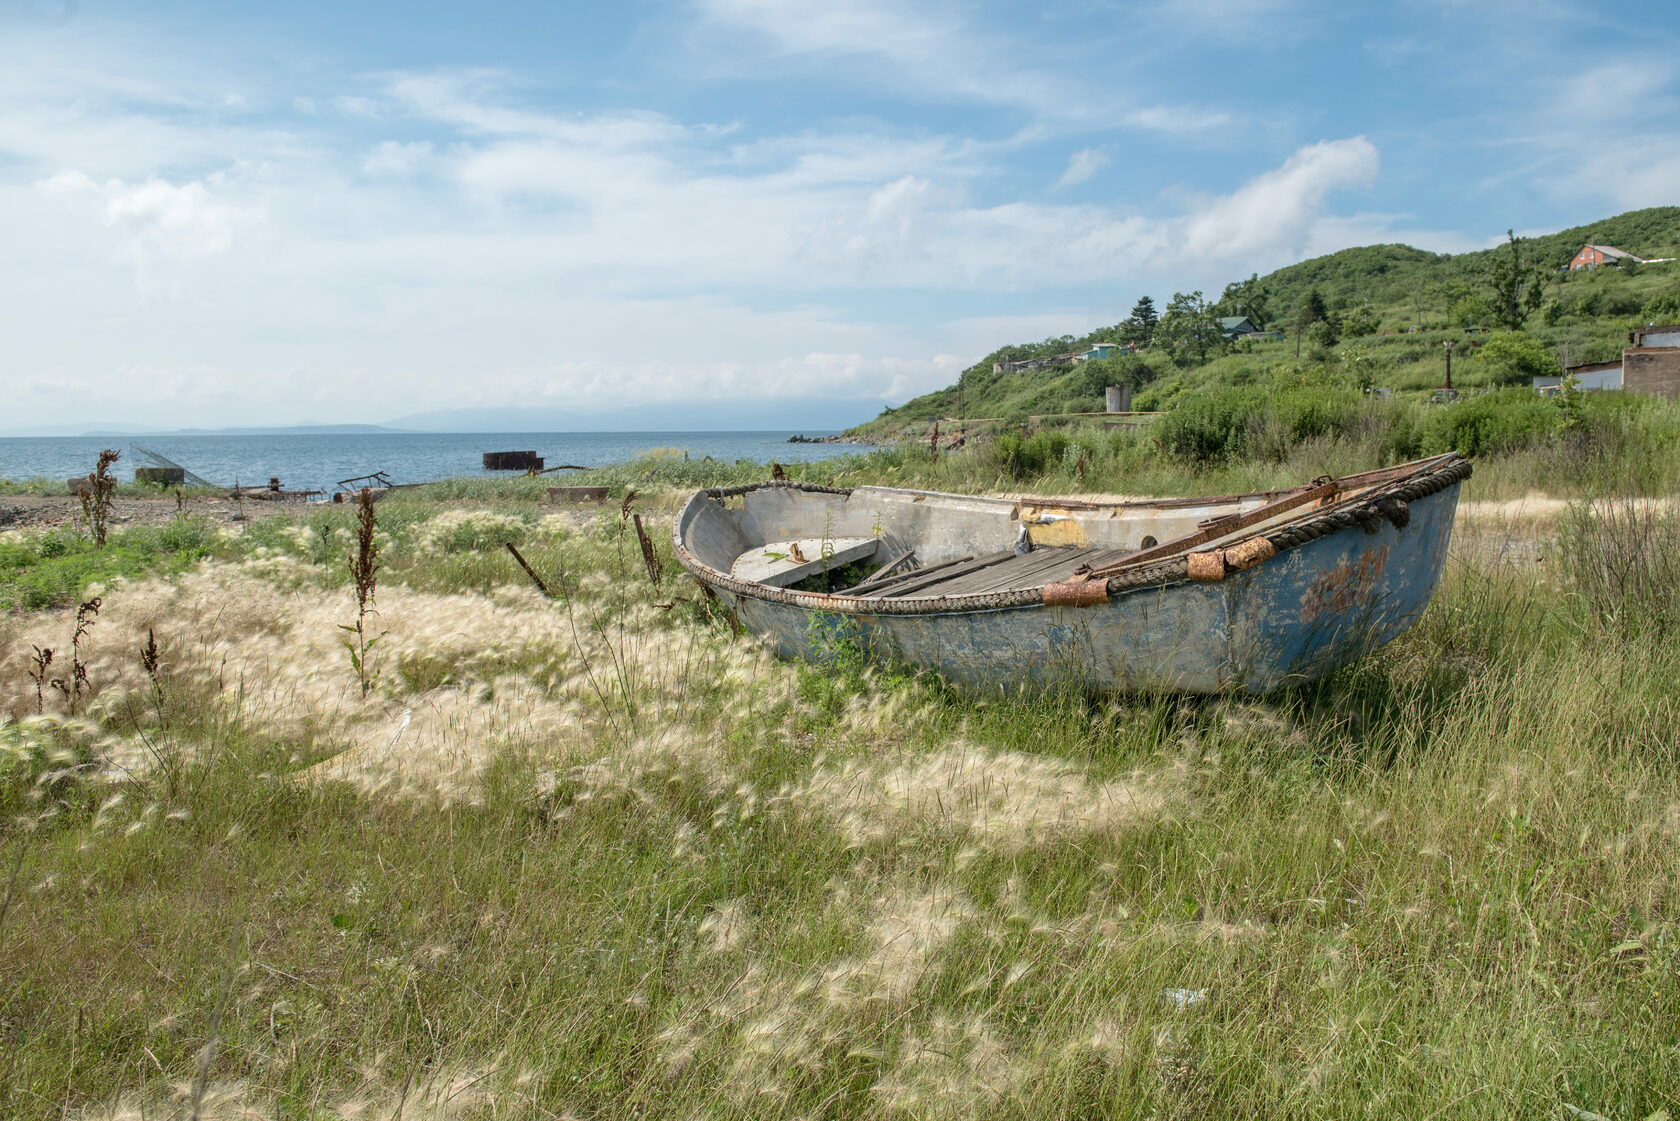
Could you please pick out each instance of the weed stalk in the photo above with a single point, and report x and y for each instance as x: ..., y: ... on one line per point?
x: 364, y: 575
x: 96, y: 498
x: 42, y: 658
x: 77, y: 683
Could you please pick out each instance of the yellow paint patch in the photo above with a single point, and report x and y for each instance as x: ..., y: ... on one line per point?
x: 1062, y: 531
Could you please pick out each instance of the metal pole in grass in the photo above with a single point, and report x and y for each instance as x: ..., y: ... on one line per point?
x: 529, y: 571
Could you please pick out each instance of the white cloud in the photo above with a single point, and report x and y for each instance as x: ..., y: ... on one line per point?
x: 1082, y: 165
x: 184, y: 219
x: 1277, y: 211
x: 1633, y: 159
x: 1631, y: 172
x: 933, y: 50
x: 1177, y: 119
x: 1254, y: 21
x: 393, y: 157
x: 156, y: 217
x: 351, y: 106
x: 579, y: 259
x: 894, y: 30
x: 476, y: 102
x: 496, y: 246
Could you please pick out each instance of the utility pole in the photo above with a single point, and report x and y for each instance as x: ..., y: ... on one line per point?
x: 1449, y: 345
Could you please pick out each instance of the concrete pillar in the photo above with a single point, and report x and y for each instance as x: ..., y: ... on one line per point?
x: 1119, y: 398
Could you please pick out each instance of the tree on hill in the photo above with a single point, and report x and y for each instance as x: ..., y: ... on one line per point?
x: 1098, y: 374
x: 1472, y: 310
x: 1140, y: 326
x: 1188, y: 331
x: 1312, y: 310
x: 1247, y: 297
x: 1359, y: 322
x: 1514, y: 284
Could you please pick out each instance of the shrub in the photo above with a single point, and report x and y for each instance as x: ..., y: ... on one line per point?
x: 1098, y: 374
x: 1516, y: 359
x: 1621, y: 303
x: 1472, y: 311
x: 1023, y: 457
x: 1360, y: 322
x: 1661, y: 309
x: 1589, y: 303
x: 1321, y: 335
x: 1209, y: 426
x: 1600, y: 350
x: 470, y: 531
x: 1496, y: 423
x: 1079, y: 456
x: 1404, y: 438
x: 1044, y: 451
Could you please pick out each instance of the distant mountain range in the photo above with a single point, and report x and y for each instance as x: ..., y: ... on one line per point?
x: 824, y: 414
x: 811, y: 414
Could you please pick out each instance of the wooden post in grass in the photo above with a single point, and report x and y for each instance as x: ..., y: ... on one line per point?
x: 529, y: 571
x: 655, y: 570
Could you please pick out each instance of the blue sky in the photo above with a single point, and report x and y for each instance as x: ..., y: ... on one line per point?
x: 223, y: 214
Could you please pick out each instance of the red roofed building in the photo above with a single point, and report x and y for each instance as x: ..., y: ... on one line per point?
x: 1591, y: 256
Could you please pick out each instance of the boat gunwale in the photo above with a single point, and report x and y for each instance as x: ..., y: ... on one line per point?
x: 1347, y: 510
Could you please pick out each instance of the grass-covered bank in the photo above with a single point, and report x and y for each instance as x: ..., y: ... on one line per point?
x: 598, y: 857
x: 1276, y: 434
x: 1376, y: 315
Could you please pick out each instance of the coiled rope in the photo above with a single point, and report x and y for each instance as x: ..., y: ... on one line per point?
x: 721, y: 493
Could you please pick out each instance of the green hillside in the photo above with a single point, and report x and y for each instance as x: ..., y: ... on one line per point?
x: 1387, y: 310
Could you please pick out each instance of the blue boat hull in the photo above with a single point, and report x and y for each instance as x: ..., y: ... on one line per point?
x: 1301, y: 615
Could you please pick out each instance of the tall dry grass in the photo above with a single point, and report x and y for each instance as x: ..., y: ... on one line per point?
x: 592, y: 857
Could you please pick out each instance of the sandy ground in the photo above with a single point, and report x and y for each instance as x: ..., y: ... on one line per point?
x: 35, y: 511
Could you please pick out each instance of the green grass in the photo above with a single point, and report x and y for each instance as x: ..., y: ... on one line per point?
x: 679, y: 878
x: 41, y: 485
x: 1287, y: 428
x: 55, y: 569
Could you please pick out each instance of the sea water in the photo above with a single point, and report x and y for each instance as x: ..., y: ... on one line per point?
x: 319, y: 461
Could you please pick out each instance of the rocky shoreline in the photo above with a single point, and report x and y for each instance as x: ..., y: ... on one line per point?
x: 838, y: 438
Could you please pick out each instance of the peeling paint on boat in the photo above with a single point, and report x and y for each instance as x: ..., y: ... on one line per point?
x: 1295, y: 617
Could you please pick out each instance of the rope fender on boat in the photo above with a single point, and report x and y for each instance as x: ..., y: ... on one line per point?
x: 1391, y: 504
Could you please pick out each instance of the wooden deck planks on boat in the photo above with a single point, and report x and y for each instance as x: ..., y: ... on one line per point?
x: 1001, y: 572
x: 917, y: 587
x: 1059, y: 566
x: 1035, y: 568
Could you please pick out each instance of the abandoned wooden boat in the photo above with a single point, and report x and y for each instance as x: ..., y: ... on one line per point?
x: 1238, y: 593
